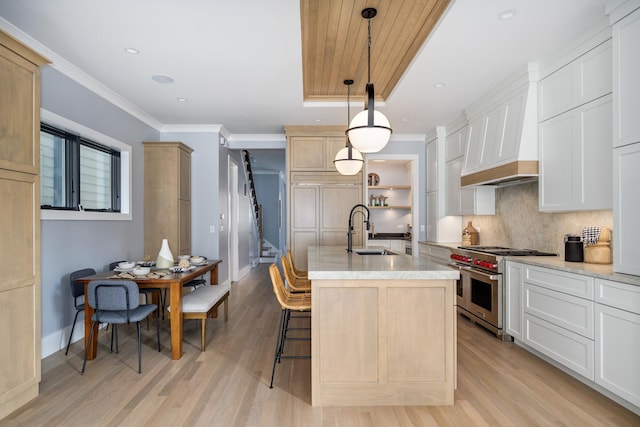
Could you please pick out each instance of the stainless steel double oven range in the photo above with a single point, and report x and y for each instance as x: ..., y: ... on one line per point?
x: 480, y: 294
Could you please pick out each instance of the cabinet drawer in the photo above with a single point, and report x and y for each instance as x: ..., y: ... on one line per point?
x: 568, y: 283
x: 618, y: 295
x: 567, y: 311
x: 571, y: 350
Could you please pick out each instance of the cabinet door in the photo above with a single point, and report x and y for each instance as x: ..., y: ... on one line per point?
x: 19, y: 149
x: 586, y: 78
x: 626, y: 209
x: 626, y: 80
x: 19, y: 289
x: 432, y: 216
x: 307, y: 153
x: 575, y: 171
x: 305, y: 221
x: 514, y: 313
x: 335, y: 205
x: 617, y: 348
x: 453, y: 169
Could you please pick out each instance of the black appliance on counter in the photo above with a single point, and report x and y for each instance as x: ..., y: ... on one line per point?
x: 479, y: 291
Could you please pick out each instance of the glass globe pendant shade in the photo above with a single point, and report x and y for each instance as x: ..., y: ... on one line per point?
x: 348, y: 164
x: 369, y: 139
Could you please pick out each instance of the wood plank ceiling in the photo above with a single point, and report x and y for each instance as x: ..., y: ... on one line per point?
x: 334, y: 44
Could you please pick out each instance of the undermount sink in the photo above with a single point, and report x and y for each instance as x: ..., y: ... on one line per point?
x: 374, y: 252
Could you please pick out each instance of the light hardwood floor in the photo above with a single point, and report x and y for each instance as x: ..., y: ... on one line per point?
x: 499, y: 384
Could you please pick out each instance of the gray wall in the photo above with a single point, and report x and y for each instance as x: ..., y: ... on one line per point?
x: 71, y: 245
x: 267, y: 189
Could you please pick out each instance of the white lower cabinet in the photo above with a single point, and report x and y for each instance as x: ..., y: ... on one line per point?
x: 587, y: 324
x: 617, y: 338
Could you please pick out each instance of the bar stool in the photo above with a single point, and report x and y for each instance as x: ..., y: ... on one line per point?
x: 296, y: 284
x: 298, y: 273
x: 289, y: 302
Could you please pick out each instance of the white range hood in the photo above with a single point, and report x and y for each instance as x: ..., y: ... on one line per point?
x: 502, y: 145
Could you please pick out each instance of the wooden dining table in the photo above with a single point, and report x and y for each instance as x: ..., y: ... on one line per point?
x: 174, y: 282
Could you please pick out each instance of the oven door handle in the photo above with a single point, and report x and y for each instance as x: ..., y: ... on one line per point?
x: 479, y: 272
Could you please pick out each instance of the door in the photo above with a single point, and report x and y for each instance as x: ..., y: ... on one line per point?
x: 234, y: 220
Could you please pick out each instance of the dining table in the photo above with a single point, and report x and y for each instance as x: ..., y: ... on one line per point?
x: 174, y: 281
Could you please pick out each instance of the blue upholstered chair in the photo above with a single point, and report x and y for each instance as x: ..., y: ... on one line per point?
x: 117, y: 302
x: 77, y: 291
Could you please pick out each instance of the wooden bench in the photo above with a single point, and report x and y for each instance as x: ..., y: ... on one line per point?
x: 201, y: 303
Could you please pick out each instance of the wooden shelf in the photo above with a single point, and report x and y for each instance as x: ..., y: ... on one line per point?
x: 390, y: 187
x: 389, y: 207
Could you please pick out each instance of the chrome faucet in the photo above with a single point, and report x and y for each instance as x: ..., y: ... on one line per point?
x: 354, y: 210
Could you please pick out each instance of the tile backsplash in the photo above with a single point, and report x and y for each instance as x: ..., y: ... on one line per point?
x: 519, y: 224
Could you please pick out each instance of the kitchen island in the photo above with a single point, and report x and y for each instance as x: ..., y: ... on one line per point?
x: 383, y: 329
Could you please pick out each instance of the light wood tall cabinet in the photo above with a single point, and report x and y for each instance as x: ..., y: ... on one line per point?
x: 19, y: 224
x: 319, y: 198
x: 167, y: 197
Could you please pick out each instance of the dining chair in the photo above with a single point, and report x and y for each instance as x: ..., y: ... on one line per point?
x: 147, y: 292
x: 299, y: 302
x: 118, y: 302
x: 77, y: 291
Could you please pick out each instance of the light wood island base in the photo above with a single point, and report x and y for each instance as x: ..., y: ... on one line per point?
x: 383, y: 341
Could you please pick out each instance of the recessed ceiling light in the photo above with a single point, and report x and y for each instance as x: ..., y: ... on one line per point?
x: 439, y: 84
x: 132, y: 50
x: 507, y: 14
x: 317, y: 120
x: 405, y: 120
x: 161, y: 78
x: 182, y: 99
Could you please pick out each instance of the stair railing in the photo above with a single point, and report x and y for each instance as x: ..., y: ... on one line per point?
x: 256, y: 208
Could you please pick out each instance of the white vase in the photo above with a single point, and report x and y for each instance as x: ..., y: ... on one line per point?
x: 165, y: 257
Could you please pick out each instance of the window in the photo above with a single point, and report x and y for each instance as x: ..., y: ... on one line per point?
x: 77, y: 173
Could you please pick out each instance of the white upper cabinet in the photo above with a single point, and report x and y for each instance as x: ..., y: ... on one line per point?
x: 463, y: 201
x: 576, y: 159
x: 626, y: 80
x: 586, y: 78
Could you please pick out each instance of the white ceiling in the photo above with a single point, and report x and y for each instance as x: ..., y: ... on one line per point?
x: 238, y: 62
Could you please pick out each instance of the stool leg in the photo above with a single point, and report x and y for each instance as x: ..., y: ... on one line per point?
x: 276, y: 356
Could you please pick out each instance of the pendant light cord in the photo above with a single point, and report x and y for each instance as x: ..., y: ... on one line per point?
x: 369, y: 51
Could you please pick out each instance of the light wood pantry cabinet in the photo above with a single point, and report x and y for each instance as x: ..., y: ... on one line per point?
x: 167, y: 197
x: 20, y: 315
x: 319, y: 198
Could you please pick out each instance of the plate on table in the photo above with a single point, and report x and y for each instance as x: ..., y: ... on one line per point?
x: 123, y: 270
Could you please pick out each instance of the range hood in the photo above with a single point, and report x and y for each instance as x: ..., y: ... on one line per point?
x: 517, y: 172
x: 502, y: 144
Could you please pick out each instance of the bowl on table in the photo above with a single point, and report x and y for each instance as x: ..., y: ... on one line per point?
x: 126, y: 265
x: 141, y: 271
x: 195, y: 260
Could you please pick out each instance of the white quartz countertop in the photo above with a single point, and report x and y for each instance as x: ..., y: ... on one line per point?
x: 334, y: 262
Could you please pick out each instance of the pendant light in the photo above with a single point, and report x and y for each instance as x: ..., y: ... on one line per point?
x: 370, y: 130
x: 348, y: 160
